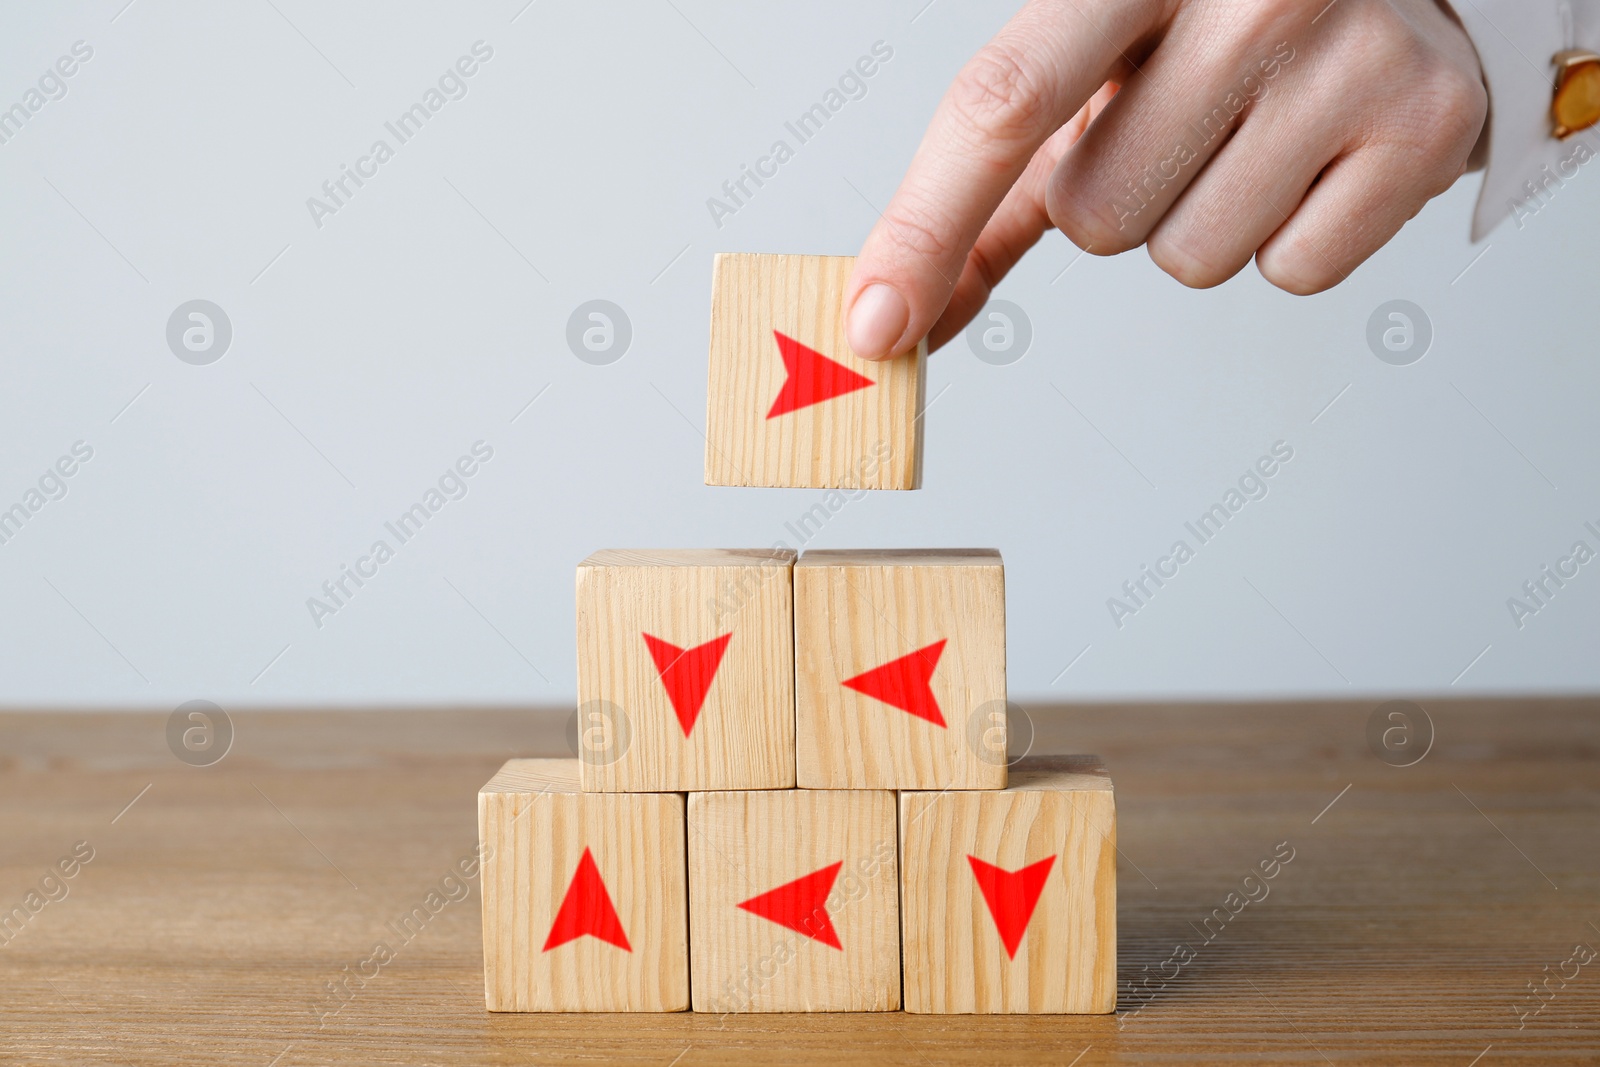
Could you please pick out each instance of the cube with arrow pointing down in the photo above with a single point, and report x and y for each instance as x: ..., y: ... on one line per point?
x: 1009, y: 897
x: 685, y: 669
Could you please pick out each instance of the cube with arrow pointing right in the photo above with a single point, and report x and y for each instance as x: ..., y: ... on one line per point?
x: 788, y: 403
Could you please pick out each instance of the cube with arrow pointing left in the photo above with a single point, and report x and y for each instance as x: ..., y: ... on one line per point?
x: 793, y: 901
x: 900, y: 669
x: 787, y: 402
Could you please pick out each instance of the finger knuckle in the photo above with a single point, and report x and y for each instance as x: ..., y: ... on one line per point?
x: 1094, y: 232
x: 1102, y: 225
x: 997, y: 97
x: 921, y: 229
x: 1432, y: 133
x: 1189, y: 261
x: 1267, y: 21
x: 1427, y: 96
x: 1387, y: 42
x: 1458, y: 105
x: 1293, y: 267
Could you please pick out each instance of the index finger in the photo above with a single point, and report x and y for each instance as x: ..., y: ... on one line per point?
x: 1022, y: 86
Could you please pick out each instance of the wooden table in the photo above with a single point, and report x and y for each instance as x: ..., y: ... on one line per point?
x: 222, y: 901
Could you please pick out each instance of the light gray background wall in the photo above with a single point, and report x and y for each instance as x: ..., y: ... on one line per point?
x: 369, y: 353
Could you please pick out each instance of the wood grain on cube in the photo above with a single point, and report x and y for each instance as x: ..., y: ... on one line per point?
x: 686, y: 669
x: 1009, y: 898
x: 900, y: 660
x: 584, y: 894
x: 794, y: 901
x: 787, y: 418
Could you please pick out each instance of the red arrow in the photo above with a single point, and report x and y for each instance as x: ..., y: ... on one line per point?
x: 801, y: 905
x: 687, y: 673
x: 813, y: 378
x: 1011, y: 896
x: 586, y: 909
x: 903, y: 683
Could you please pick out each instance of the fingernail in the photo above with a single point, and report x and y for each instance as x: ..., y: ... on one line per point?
x: 876, y: 321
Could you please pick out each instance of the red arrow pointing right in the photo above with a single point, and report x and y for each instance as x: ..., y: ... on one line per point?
x: 813, y: 377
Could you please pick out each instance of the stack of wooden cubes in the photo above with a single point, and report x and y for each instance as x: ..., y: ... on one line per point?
x: 791, y: 788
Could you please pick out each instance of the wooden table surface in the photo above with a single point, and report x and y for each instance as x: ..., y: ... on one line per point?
x: 1420, y: 904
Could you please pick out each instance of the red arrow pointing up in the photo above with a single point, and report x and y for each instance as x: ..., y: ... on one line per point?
x: 903, y: 683
x: 813, y: 378
x: 586, y: 909
x: 687, y: 673
x: 801, y: 905
x: 1011, y: 896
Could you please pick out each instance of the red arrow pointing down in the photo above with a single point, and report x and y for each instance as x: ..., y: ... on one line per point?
x: 687, y: 674
x: 1012, y: 896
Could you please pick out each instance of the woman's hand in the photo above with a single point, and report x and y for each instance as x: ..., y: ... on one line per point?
x: 1302, y: 133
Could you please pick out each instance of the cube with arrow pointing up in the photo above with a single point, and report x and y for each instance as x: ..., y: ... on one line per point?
x: 787, y: 402
x: 584, y: 894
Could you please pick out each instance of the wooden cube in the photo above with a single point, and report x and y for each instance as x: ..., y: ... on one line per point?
x: 788, y: 403
x: 1009, y: 898
x: 900, y: 669
x: 686, y: 670
x: 584, y: 895
x: 794, y: 901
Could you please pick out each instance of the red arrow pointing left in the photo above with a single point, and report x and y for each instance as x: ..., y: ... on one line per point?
x: 801, y: 905
x: 586, y: 909
x: 904, y: 683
